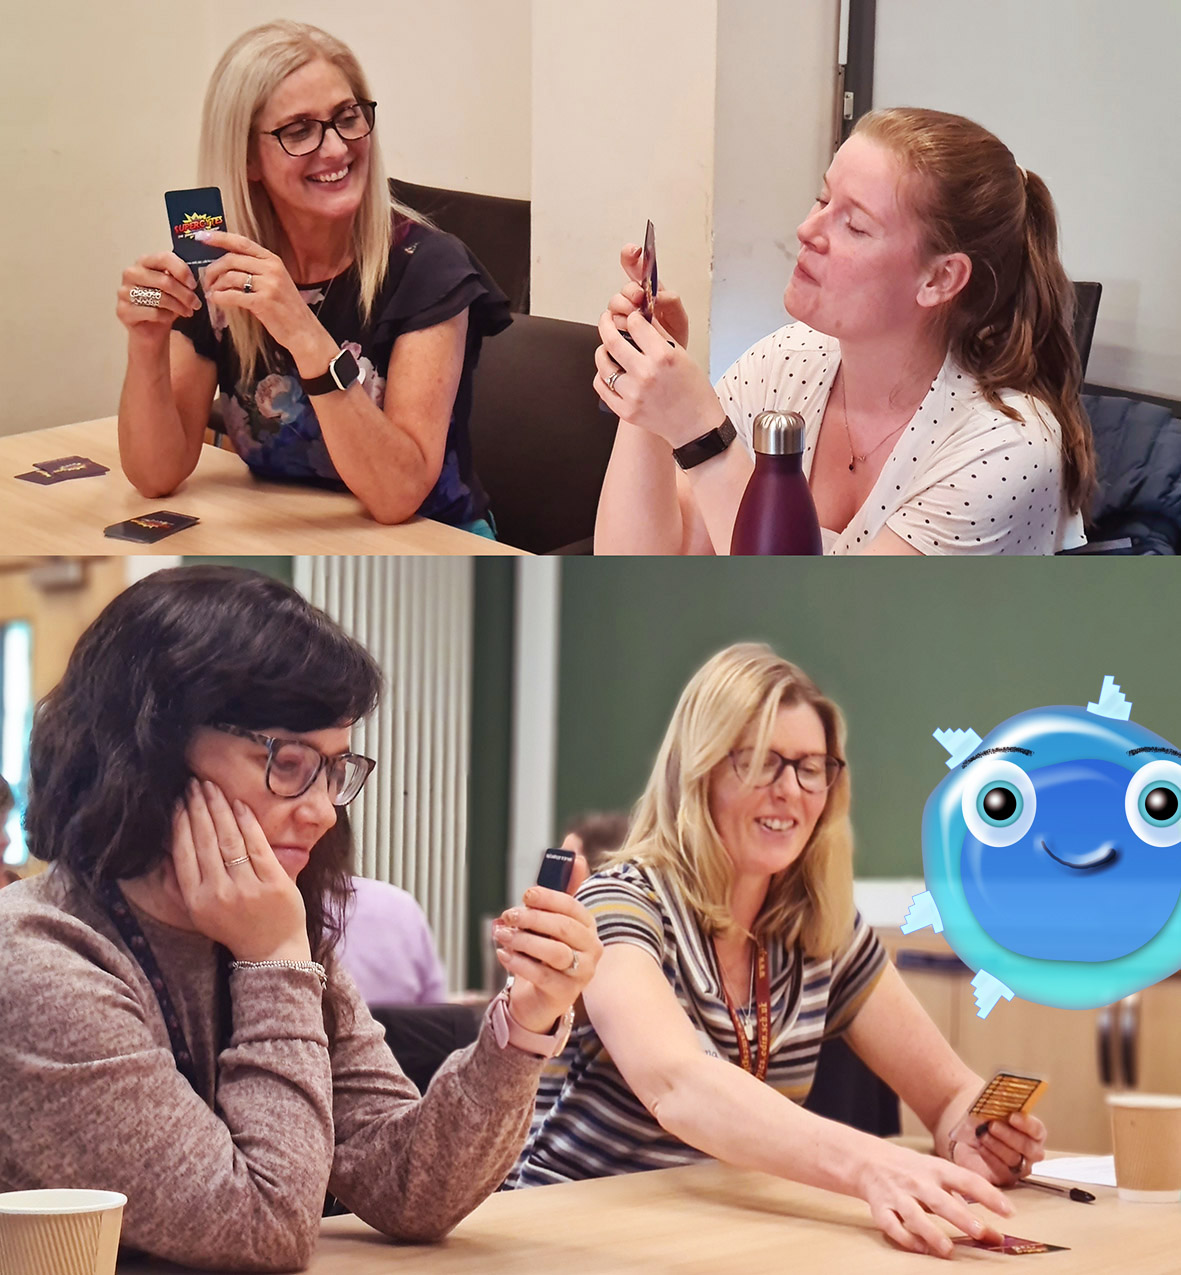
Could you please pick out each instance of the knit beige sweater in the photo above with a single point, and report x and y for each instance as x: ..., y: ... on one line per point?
x: 234, y: 1176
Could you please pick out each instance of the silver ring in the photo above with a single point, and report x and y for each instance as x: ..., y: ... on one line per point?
x: 572, y: 968
x: 233, y: 863
x: 1018, y: 1169
x: 614, y: 377
x: 146, y: 296
x: 248, y: 286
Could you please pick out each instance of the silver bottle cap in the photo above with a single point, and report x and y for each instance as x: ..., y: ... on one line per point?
x: 778, y: 433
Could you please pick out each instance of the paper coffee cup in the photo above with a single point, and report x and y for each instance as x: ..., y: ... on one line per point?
x: 60, y: 1232
x: 1146, y: 1138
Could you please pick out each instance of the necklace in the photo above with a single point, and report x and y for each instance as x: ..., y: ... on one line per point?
x: 760, y: 993
x: 746, y: 1012
x: 854, y: 458
x: 319, y: 305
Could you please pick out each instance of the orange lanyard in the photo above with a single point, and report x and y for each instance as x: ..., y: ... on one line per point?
x: 762, y: 1016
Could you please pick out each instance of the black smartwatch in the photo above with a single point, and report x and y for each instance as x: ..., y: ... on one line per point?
x: 712, y: 443
x: 342, y: 372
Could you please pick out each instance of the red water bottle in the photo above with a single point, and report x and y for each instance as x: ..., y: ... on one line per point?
x: 776, y: 514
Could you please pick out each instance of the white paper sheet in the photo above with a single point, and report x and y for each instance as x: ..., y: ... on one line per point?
x: 1093, y: 1170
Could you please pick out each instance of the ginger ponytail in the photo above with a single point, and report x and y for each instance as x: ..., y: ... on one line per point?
x: 1027, y: 343
x: 1012, y: 325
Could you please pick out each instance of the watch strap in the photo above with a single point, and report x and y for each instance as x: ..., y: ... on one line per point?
x: 712, y: 443
x: 343, y: 371
x: 507, y: 1031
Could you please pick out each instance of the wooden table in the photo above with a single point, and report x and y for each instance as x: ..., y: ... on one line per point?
x: 239, y: 514
x: 714, y: 1220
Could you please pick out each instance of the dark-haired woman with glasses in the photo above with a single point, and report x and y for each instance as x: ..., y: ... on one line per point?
x: 342, y: 331
x: 732, y: 950
x: 173, y: 1022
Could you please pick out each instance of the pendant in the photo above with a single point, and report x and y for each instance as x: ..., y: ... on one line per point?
x: 851, y: 464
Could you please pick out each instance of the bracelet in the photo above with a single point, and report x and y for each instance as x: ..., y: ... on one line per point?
x: 712, y: 443
x: 311, y: 967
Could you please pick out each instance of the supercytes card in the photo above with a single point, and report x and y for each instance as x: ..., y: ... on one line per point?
x: 188, y: 212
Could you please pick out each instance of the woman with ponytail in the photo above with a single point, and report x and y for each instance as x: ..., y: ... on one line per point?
x: 933, y: 363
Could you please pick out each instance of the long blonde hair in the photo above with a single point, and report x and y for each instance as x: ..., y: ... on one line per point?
x: 249, y: 72
x: 673, y: 829
x: 1012, y: 325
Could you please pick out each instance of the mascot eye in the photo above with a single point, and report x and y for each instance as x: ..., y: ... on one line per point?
x: 998, y: 802
x: 1153, y: 803
x: 1000, y: 805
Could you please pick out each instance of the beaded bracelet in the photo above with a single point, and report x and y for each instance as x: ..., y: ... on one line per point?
x: 311, y: 967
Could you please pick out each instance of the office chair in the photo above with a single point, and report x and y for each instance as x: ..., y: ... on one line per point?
x: 421, y: 1036
x: 1086, y: 311
x: 497, y: 231
x: 539, y: 442
x: 846, y: 1090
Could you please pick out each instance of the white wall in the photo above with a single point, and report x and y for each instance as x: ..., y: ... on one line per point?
x: 99, y: 113
x: 623, y: 131
x: 451, y: 78
x: 775, y: 131
x: 1085, y: 93
x: 712, y: 118
x: 100, y: 108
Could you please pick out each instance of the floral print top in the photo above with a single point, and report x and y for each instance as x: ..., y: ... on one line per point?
x: 432, y: 277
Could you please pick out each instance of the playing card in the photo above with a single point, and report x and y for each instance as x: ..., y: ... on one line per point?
x: 42, y: 479
x: 1011, y: 1245
x: 148, y: 528
x: 190, y: 211
x: 648, y: 274
x: 1005, y: 1093
x: 71, y: 467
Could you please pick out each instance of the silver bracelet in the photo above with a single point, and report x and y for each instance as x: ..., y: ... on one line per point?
x: 311, y: 967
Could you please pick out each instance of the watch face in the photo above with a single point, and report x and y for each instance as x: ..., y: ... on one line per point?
x: 344, y: 369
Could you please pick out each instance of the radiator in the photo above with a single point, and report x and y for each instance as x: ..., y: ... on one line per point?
x: 414, y: 616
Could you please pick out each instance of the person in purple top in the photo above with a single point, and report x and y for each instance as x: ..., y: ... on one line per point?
x: 388, y: 948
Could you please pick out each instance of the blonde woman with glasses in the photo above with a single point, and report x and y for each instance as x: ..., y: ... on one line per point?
x: 732, y: 949
x: 341, y: 329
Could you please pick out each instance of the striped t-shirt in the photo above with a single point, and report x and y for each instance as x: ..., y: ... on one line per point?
x: 587, y: 1123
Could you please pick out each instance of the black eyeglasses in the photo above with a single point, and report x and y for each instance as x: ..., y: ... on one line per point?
x: 293, y: 766
x: 302, y: 137
x: 815, y: 772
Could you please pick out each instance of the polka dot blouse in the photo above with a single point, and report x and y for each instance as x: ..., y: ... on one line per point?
x: 961, y: 478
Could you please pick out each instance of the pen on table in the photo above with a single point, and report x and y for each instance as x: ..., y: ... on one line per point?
x: 1073, y: 1192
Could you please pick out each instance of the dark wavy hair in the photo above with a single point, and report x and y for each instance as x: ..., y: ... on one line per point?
x: 180, y: 649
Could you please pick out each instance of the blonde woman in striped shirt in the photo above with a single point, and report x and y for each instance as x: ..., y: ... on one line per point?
x: 732, y: 949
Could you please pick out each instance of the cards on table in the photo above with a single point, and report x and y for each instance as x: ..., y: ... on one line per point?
x: 48, y: 472
x: 190, y: 211
x: 1011, y: 1245
x: 148, y: 528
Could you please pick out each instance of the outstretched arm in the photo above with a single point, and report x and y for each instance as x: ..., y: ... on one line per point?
x: 722, y: 1110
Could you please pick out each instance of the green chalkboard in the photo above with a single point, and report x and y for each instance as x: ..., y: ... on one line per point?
x: 279, y: 568
x: 903, y: 645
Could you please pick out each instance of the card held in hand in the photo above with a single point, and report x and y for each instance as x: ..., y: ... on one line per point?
x: 148, y: 528
x: 648, y: 279
x: 188, y: 212
x: 1005, y: 1093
